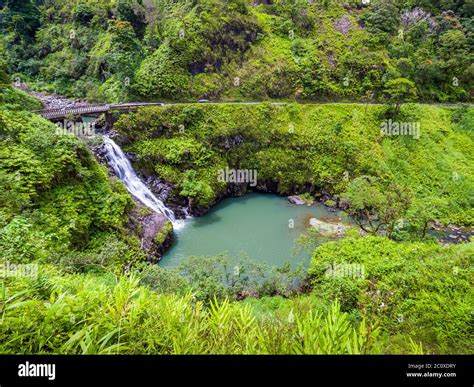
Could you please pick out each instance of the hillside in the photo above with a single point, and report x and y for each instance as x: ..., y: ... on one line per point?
x: 354, y: 120
x: 119, y: 50
x: 307, y: 148
x: 61, y: 212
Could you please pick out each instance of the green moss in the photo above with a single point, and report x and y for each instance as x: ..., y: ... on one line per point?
x: 325, y: 146
x: 144, y: 211
x: 165, y: 231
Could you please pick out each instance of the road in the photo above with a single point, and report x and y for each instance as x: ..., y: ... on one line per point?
x: 62, y: 112
x: 59, y: 107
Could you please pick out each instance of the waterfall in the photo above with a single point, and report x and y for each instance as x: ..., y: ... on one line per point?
x: 123, y: 169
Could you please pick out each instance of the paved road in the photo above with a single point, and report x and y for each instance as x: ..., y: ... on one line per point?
x: 62, y: 112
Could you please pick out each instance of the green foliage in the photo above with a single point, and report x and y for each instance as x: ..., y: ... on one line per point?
x: 330, y: 203
x: 21, y: 18
x: 399, y: 90
x: 114, y: 57
x: 4, y: 78
x: 383, y: 18
x: 162, y: 77
x: 297, y: 148
x: 60, y: 210
x: 89, y: 315
x: 57, y: 203
x: 194, y: 188
x: 164, y: 233
x: 163, y: 280
x: 376, y: 207
x: 14, y: 99
x: 64, y: 210
x: 187, y: 50
x: 416, y: 290
x: 107, y: 252
x: 220, y: 277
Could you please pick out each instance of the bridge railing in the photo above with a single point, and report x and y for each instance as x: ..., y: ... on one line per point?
x: 92, y: 109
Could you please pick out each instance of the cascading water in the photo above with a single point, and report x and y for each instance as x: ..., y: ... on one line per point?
x: 123, y: 169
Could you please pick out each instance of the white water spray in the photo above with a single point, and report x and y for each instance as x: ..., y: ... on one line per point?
x: 123, y: 169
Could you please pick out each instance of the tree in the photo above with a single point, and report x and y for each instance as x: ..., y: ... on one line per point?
x: 383, y: 17
x: 376, y: 207
x: 424, y: 211
x: 454, y: 50
x: 133, y: 12
x: 405, y: 66
x: 399, y: 90
x: 21, y: 17
x: 4, y: 78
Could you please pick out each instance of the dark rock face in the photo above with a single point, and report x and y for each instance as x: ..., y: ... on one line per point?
x: 154, y: 230
x: 324, y: 197
x: 159, y: 188
x: 151, y: 225
x: 100, y: 153
x: 165, y: 192
x: 236, y: 189
x: 267, y: 186
x: 195, y: 210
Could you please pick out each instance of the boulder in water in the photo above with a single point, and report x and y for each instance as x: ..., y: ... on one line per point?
x: 296, y: 200
x: 328, y: 229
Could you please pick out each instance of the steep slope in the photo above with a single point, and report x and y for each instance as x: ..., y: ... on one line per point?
x: 236, y: 49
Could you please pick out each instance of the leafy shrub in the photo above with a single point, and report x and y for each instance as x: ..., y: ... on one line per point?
x: 417, y: 290
x: 90, y: 315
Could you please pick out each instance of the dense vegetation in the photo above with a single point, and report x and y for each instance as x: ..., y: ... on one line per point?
x: 315, y: 148
x: 61, y: 211
x: 90, y: 315
x: 417, y: 290
x: 75, y: 230
x: 55, y: 199
x: 237, y: 49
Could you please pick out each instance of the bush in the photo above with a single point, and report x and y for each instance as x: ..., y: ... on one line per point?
x: 417, y: 290
x: 92, y: 315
